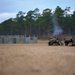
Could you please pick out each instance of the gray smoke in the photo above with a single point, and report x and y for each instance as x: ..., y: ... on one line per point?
x: 57, y: 29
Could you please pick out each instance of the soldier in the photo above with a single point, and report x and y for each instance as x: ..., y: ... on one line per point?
x: 67, y: 41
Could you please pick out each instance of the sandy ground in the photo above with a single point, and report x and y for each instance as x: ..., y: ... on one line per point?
x: 36, y: 59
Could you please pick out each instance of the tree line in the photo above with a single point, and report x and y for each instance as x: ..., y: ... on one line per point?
x: 34, y: 23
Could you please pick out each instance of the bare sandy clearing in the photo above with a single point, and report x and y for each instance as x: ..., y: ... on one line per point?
x: 36, y: 59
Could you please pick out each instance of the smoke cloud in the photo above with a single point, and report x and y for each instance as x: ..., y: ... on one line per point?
x: 57, y: 29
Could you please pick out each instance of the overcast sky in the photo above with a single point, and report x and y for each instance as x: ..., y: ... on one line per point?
x: 9, y: 8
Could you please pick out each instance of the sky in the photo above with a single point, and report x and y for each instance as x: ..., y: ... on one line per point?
x: 9, y: 8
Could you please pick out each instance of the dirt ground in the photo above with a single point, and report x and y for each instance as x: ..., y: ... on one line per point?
x: 36, y: 59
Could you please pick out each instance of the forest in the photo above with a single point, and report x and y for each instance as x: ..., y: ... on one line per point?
x: 40, y: 24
